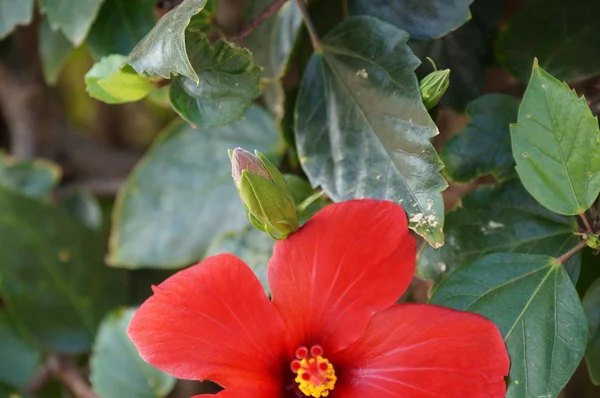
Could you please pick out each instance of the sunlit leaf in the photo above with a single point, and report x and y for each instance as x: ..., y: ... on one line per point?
x: 182, y: 195
x: 483, y: 146
x: 362, y: 129
x: 536, y: 307
x: 556, y: 144
x: 116, y: 367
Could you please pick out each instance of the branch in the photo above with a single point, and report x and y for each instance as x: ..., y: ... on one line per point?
x: 563, y: 259
x: 586, y: 223
x: 259, y: 19
x: 62, y: 368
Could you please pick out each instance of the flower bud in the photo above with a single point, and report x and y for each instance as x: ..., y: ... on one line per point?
x: 593, y: 241
x: 433, y: 86
x: 265, y: 193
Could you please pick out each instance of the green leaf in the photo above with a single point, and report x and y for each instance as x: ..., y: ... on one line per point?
x: 110, y: 83
x: 117, y: 370
x: 536, y: 307
x: 500, y: 219
x: 556, y: 145
x: 362, y: 129
x: 302, y: 190
x: 50, y: 258
x: 563, y: 35
x: 591, y: 306
x: 54, y: 51
x: 466, y: 52
x: 272, y: 44
x: 181, y: 194
x: 73, y: 17
x: 163, y: 51
x: 422, y: 19
x: 13, y: 13
x: 85, y: 208
x: 483, y: 146
x: 228, y: 83
x: 251, y: 245
x: 20, y: 357
x: 35, y: 178
x: 120, y: 25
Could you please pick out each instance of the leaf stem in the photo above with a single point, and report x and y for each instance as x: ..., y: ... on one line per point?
x: 563, y: 259
x: 265, y: 14
x: 588, y: 227
x: 312, y: 32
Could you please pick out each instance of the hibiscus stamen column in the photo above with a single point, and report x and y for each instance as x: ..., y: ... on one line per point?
x: 315, y: 374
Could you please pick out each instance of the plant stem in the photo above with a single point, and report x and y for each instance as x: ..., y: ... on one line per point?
x: 62, y: 368
x: 259, y: 19
x: 312, y: 32
x: 563, y: 259
x: 588, y: 227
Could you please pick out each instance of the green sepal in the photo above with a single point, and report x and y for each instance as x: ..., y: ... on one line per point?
x: 434, y: 86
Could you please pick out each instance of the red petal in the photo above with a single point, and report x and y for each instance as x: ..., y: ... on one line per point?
x: 212, y: 321
x: 243, y: 392
x: 349, y: 260
x: 424, y: 351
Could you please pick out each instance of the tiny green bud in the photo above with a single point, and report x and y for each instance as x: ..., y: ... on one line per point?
x: 433, y: 86
x: 265, y: 193
x: 593, y: 241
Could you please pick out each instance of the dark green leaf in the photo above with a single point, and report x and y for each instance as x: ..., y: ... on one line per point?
x: 251, y: 245
x: 272, y: 44
x: 163, y: 52
x: 13, y: 13
x: 120, y: 25
x: 85, y: 208
x: 536, y: 308
x: 49, y: 258
x: 422, y: 19
x: 228, y: 83
x: 35, y: 178
x: 54, y: 50
x: 302, y: 190
x: 501, y: 219
x: 7, y: 391
x: 556, y: 145
x: 591, y: 305
x: 483, y: 146
x: 182, y: 195
x: 110, y: 83
x: 563, y: 35
x: 362, y: 129
x: 465, y: 52
x: 73, y: 17
x: 20, y: 357
x: 117, y: 370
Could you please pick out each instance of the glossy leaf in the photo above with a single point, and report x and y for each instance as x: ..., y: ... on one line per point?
x: 20, y: 357
x: 120, y: 25
x: 563, y: 35
x: 228, y: 83
x: 73, y: 17
x: 500, y: 219
x: 536, y: 307
x: 50, y: 258
x: 272, y: 44
x: 251, y: 245
x: 117, y: 370
x: 162, y: 51
x: 13, y: 13
x: 483, y: 146
x: 361, y: 127
x: 35, y: 178
x: 591, y: 305
x: 107, y: 81
x: 422, y: 19
x: 54, y: 50
x: 181, y: 195
x: 556, y: 145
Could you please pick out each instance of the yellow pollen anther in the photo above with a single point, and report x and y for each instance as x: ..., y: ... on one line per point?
x: 315, y: 375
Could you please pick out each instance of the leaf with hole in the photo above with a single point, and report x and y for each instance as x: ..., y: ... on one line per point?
x: 556, y: 145
x: 537, y: 309
x: 362, y: 129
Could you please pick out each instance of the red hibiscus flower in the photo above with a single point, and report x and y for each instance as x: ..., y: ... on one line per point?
x: 332, y: 328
